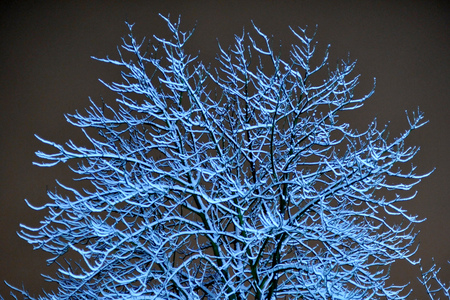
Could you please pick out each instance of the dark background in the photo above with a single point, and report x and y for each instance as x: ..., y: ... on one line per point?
x: 46, y: 71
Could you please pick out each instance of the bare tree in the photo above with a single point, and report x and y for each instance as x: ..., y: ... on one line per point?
x: 233, y: 183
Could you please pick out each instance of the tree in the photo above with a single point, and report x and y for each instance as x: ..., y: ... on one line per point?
x: 252, y: 189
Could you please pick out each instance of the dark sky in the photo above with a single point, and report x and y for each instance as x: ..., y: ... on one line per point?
x: 46, y: 71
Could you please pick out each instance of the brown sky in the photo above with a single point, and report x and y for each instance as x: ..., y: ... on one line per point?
x: 46, y: 71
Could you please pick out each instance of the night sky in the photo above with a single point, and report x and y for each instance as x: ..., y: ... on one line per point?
x: 46, y: 71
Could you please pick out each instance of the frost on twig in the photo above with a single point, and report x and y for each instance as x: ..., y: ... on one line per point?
x: 433, y: 284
